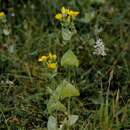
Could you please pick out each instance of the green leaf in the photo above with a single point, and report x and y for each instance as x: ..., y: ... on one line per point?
x: 88, y: 17
x: 61, y: 127
x: 52, y: 123
x: 65, y: 89
x: 98, y: 1
x: 66, y: 34
x: 55, y: 105
x: 97, y: 29
x: 69, y: 59
x: 72, y: 119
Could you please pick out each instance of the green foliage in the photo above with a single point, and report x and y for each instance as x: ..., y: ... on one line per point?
x: 95, y: 94
x: 55, y: 105
x: 66, y: 34
x: 88, y: 17
x: 69, y: 59
x: 52, y: 123
x: 72, y: 119
x: 65, y: 90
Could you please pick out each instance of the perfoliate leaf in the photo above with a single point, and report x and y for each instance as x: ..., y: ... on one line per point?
x: 72, y: 119
x: 66, y: 34
x: 65, y: 89
x: 55, y: 105
x: 52, y: 123
x: 69, y: 59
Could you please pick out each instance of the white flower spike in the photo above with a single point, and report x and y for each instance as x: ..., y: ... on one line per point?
x: 99, y: 48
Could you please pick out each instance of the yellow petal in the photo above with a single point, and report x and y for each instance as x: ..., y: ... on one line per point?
x: 42, y: 59
x: 2, y: 14
x: 58, y: 16
x: 54, y: 57
x: 50, y: 56
x: 52, y: 66
x: 64, y: 10
x: 73, y: 13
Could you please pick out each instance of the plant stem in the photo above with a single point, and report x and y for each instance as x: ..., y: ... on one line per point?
x: 69, y: 99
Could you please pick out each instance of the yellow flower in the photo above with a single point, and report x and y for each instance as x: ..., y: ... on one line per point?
x: 43, y: 59
x: 66, y: 13
x: 52, y: 65
x: 54, y: 57
x: 64, y: 10
x: 62, y: 15
x: 2, y: 14
x: 58, y: 16
x: 50, y: 56
x: 73, y: 13
x: 69, y: 12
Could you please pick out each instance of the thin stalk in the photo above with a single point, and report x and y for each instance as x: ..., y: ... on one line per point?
x: 69, y: 99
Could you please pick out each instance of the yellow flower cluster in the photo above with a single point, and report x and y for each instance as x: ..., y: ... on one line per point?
x: 50, y: 59
x: 65, y: 13
x: 2, y: 14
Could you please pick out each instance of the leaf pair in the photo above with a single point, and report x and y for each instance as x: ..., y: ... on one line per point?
x: 52, y: 122
x: 64, y: 90
x: 69, y: 59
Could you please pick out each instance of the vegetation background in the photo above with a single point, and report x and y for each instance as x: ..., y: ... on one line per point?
x: 103, y: 82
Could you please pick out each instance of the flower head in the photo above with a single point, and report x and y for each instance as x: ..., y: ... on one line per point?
x: 58, y: 16
x: 66, y: 13
x: 2, y: 14
x: 49, y: 60
x: 54, y: 57
x: 52, y: 65
x: 51, y: 57
x: 43, y: 59
x: 99, y: 48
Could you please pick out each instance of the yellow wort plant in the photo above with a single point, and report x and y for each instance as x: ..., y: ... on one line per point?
x: 65, y: 89
x: 49, y: 60
x: 66, y: 18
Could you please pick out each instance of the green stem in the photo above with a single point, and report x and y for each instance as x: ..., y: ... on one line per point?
x: 69, y: 99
